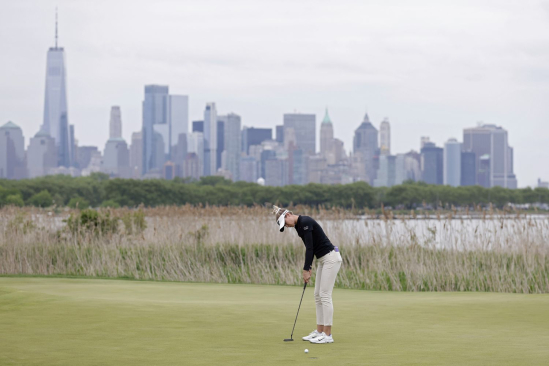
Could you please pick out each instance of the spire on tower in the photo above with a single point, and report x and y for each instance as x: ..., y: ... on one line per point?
x: 326, y: 118
x: 55, y: 27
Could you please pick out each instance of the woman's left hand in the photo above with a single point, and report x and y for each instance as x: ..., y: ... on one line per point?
x: 307, y: 275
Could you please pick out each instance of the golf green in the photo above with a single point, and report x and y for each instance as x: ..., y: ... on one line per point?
x: 53, y: 321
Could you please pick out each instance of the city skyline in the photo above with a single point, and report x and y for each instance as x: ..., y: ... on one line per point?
x: 439, y: 113
x: 484, y: 158
x: 164, y: 148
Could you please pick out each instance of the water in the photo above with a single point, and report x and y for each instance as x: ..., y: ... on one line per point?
x: 457, y: 233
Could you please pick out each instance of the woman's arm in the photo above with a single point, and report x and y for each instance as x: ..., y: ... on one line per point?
x: 309, y: 254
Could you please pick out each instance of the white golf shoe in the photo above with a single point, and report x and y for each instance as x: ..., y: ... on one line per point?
x: 322, y: 338
x: 311, y: 335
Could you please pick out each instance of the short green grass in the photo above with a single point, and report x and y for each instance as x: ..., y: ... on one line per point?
x: 55, y: 321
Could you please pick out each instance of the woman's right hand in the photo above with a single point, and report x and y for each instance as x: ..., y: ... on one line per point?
x: 307, y: 275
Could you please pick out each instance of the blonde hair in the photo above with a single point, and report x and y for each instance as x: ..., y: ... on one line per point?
x: 277, y: 211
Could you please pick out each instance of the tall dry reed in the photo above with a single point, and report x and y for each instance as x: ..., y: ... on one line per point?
x: 242, y: 245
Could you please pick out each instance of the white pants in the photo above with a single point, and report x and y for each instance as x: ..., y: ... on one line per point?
x: 326, y: 272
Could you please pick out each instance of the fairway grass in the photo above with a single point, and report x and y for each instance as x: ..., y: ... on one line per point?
x: 55, y: 321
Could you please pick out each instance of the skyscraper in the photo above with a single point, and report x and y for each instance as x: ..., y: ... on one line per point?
x: 297, y: 159
x: 339, y: 151
x: 116, y: 159
x: 136, y: 155
x: 178, y: 119
x: 56, y: 122
x: 358, y: 166
x: 116, y: 156
x: 179, y: 154
x: 198, y: 126
x: 220, y: 141
x: 195, y: 145
x: 386, y: 175
x: 396, y: 169
x: 432, y: 163
x: 165, y: 117
x: 289, y: 139
x: 385, y: 137
x: 468, y: 168
x: 452, y: 163
x: 365, y: 142
x: 232, y: 144
x: 491, y: 140
x: 74, y: 145
x: 290, y: 147
x: 191, y: 167
x: 300, y: 169
x: 316, y: 168
x: 94, y: 166
x: 41, y: 155
x: 255, y: 136
x: 84, y: 155
x: 115, y: 123
x: 327, y: 139
x: 304, y: 126
x: 155, y: 128
x: 262, y: 161
x: 169, y: 170
x: 412, y: 164
x: 484, y: 172
x: 12, y: 152
x: 279, y: 133
x: 248, y: 169
x: 276, y: 171
x: 210, y: 139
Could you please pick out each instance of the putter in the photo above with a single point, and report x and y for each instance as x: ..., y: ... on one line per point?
x: 291, y: 339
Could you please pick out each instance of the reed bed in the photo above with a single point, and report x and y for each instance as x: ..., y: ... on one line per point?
x: 243, y: 245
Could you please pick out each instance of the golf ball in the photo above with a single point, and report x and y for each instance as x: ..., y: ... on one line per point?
x: 306, y: 350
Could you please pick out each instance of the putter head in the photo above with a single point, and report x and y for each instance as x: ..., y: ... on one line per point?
x: 288, y: 340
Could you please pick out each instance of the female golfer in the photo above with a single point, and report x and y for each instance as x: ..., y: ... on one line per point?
x: 328, y: 261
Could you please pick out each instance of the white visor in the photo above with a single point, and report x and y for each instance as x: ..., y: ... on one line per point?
x: 281, y: 220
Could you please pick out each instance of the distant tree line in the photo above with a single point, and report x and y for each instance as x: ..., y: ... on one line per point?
x: 98, y: 190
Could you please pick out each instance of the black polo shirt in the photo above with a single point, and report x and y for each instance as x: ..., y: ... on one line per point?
x: 316, y: 242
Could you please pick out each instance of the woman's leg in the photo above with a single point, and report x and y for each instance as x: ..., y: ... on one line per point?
x: 319, y: 313
x: 330, y: 269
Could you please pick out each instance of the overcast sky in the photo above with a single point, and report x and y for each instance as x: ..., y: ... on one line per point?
x: 431, y: 67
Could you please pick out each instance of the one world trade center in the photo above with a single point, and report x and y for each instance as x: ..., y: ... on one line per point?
x: 56, y: 122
